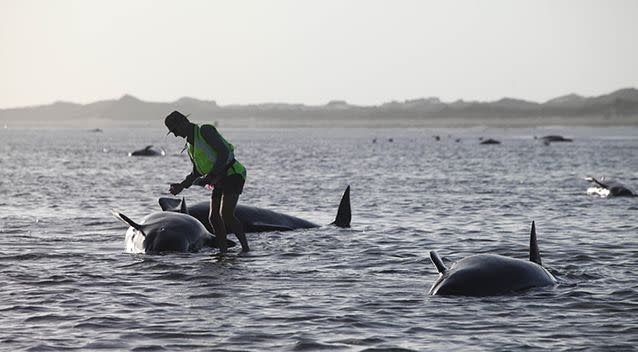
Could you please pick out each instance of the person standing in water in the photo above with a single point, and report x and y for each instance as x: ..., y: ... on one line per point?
x: 214, y: 164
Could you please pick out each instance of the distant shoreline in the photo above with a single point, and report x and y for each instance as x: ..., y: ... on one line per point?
x: 268, y: 122
x: 614, y: 109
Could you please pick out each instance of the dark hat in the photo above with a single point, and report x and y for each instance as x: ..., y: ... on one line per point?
x: 174, y: 119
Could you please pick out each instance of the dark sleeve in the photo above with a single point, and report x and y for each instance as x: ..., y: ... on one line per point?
x: 212, y: 137
x: 190, y: 178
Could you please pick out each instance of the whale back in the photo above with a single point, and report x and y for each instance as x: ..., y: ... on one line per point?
x: 173, y: 232
x: 165, y: 232
x: 489, y: 274
x: 256, y: 219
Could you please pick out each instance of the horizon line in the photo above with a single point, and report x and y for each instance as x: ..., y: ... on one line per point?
x: 304, y: 104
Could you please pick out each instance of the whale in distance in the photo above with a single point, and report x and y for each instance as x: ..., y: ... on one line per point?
x: 148, y: 151
x: 553, y: 138
x: 490, y: 274
x: 608, y: 188
x: 489, y: 141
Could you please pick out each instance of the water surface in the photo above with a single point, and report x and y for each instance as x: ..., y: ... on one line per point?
x: 69, y: 285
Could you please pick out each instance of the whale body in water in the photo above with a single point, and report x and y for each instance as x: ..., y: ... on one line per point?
x: 490, y: 274
x: 256, y: 219
x: 166, y: 232
x: 148, y: 151
x: 489, y: 141
x: 608, y: 188
x: 553, y: 138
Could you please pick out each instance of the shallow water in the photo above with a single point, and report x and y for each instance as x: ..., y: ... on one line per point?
x: 69, y: 285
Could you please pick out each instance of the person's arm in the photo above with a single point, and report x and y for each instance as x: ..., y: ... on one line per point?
x: 176, y: 188
x: 212, y: 138
x: 188, y: 180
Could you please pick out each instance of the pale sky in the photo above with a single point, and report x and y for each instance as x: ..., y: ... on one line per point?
x: 365, y: 52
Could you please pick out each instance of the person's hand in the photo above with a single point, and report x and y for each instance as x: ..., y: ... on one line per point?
x: 176, y: 188
x: 210, y: 180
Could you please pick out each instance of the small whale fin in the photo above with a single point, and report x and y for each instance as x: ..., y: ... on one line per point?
x: 591, y: 179
x: 148, y: 147
x: 344, y: 214
x: 128, y: 221
x: 182, y: 207
x: 173, y: 204
x: 534, y: 253
x: 438, y: 262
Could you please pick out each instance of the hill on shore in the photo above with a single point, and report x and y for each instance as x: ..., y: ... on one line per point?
x: 617, y: 108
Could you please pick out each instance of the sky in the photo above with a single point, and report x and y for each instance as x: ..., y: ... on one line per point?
x: 306, y: 51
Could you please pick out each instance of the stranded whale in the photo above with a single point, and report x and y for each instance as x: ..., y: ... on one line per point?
x: 148, y: 151
x: 257, y: 219
x: 490, y: 141
x: 166, y: 232
x: 489, y: 274
x: 608, y: 188
x: 553, y: 138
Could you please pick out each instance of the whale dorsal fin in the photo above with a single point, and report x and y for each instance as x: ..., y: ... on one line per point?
x: 182, y: 207
x: 344, y: 214
x: 534, y: 253
x: 173, y: 204
x: 438, y: 262
x: 128, y: 221
x: 148, y: 147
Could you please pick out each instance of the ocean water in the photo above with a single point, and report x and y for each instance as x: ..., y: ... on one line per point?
x: 67, y: 283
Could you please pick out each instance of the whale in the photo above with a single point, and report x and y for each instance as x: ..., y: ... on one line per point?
x: 491, y: 274
x: 490, y: 141
x: 608, y: 188
x: 148, y: 151
x: 161, y: 232
x: 256, y: 219
x: 553, y: 138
